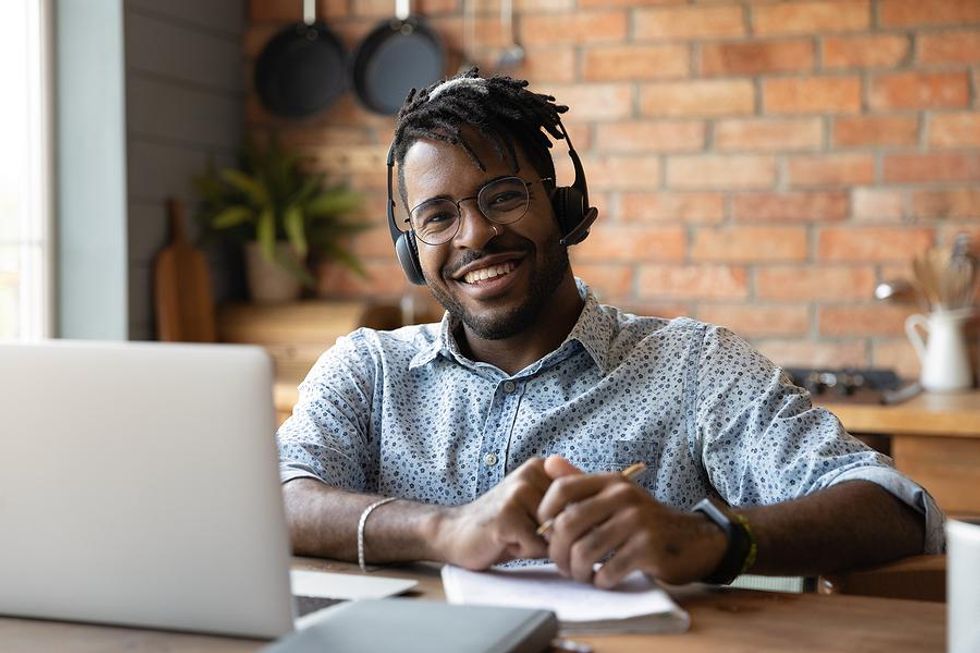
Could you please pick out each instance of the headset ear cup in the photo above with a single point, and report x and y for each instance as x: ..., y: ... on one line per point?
x: 408, y: 256
x: 569, y: 207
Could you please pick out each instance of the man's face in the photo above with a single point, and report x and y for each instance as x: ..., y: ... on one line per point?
x: 497, y: 281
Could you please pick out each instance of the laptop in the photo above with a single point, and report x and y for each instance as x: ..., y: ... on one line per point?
x: 139, y: 486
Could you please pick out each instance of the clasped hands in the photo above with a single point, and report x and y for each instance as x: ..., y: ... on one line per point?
x: 596, y: 518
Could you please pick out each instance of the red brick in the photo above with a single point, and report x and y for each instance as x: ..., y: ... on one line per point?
x: 673, y: 207
x: 574, y: 28
x: 864, y: 244
x: 692, y: 282
x: 748, y: 244
x: 951, y: 203
x: 622, y: 243
x: 949, y: 166
x: 896, y: 354
x: 289, y: 11
x: 754, y: 320
x: 814, y: 283
x: 721, y: 172
x: 622, y: 172
x: 878, y: 50
x: 611, y: 281
x: 954, y: 130
x: 257, y: 36
x: 857, y: 131
x: 385, y: 279
x: 878, y: 205
x: 688, y: 22
x: 917, y: 13
x: 809, y: 353
x: 547, y: 64
x: 649, y: 136
x: 592, y: 101
x: 757, y: 57
x: 919, y: 90
x: 635, y: 62
x: 812, y: 95
x: 877, y: 319
x: 949, y: 47
x: 373, y: 243
x: 697, y: 98
x: 625, y: 3
x: 830, y: 169
x: 768, y: 134
x: 790, y: 207
x: 810, y: 17
x: 385, y: 9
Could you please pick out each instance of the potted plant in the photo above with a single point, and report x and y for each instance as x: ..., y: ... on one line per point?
x: 286, y: 216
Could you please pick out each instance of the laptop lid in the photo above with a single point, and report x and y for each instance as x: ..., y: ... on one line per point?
x: 139, y: 486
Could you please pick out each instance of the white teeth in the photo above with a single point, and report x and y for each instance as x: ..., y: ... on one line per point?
x: 489, y: 273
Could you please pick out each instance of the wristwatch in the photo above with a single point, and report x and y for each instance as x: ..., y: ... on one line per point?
x: 741, y: 550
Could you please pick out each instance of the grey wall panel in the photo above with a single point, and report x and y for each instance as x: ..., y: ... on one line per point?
x: 185, y: 105
x: 219, y: 16
x: 168, y: 112
x: 183, y: 54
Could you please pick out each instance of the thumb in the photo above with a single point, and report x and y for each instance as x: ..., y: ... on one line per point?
x: 557, y: 466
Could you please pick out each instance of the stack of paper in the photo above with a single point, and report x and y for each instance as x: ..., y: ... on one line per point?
x: 636, y: 605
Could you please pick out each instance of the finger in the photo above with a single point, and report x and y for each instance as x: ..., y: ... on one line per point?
x: 533, y: 471
x: 574, y: 523
x: 567, y: 490
x: 557, y: 466
x: 629, y: 556
x: 595, y: 545
x: 522, y: 541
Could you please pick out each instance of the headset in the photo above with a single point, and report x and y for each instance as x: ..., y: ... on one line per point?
x: 570, y: 203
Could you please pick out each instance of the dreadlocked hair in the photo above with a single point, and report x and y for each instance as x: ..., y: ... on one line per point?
x: 500, y: 108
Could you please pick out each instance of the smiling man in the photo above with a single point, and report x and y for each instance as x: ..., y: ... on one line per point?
x: 457, y: 441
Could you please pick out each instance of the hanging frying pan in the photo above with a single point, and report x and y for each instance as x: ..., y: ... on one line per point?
x: 302, y: 69
x: 398, y: 55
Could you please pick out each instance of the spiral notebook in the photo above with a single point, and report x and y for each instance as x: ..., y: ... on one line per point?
x: 636, y: 605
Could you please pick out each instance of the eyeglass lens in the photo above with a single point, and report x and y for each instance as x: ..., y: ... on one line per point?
x: 502, y: 201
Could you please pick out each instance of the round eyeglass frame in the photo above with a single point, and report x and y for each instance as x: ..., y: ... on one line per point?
x: 450, y: 233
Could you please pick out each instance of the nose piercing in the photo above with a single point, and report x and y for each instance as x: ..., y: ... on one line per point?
x: 494, y: 227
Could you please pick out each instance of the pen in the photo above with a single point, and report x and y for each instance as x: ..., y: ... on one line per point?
x: 629, y: 474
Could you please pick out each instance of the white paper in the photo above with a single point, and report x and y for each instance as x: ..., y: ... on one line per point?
x: 328, y: 585
x: 543, y: 587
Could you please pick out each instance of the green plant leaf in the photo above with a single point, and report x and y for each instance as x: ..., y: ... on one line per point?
x: 232, y: 217
x: 252, y: 187
x: 292, y: 222
x: 265, y: 232
x: 333, y: 202
x: 296, y: 268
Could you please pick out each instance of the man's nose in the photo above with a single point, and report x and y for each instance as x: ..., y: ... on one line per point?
x: 475, y: 229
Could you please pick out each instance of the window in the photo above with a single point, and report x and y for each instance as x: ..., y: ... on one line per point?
x: 25, y: 178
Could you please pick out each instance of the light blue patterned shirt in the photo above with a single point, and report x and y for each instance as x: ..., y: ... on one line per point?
x: 404, y: 413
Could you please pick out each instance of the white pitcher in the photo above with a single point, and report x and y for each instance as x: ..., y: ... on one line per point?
x: 944, y: 358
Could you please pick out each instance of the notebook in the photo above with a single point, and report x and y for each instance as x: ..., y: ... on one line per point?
x: 636, y: 605
x: 139, y: 486
x: 419, y: 626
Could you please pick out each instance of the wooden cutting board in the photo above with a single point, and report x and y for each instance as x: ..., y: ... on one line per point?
x: 182, y: 286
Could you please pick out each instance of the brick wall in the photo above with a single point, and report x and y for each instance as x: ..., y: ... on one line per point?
x: 757, y: 163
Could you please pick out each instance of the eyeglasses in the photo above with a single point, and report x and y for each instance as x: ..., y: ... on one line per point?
x: 501, y: 201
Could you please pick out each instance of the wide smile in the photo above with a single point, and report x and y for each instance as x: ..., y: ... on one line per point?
x: 489, y: 281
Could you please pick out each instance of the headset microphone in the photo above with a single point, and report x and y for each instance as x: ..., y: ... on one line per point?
x: 570, y: 203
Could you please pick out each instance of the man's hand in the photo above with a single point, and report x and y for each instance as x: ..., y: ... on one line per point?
x: 596, y: 515
x: 498, y: 526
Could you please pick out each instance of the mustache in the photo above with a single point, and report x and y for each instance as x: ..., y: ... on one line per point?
x: 472, y: 255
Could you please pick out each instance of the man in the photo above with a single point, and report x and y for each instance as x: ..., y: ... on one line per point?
x: 459, y: 440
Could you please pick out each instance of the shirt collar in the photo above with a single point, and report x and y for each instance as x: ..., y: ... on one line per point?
x: 593, y: 331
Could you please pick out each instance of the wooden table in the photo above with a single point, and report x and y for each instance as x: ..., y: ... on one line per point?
x: 935, y: 439
x: 727, y: 620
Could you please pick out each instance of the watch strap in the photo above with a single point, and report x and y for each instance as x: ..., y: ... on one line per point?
x: 741, y: 551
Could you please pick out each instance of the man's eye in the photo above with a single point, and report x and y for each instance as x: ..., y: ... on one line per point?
x: 506, y: 198
x: 435, y: 219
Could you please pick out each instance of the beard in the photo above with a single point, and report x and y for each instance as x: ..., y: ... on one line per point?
x: 500, y: 325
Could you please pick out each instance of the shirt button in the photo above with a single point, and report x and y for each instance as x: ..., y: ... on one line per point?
x: 509, y: 386
x: 490, y: 459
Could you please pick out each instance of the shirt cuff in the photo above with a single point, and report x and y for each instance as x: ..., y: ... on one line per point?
x: 910, y: 493
x: 290, y: 471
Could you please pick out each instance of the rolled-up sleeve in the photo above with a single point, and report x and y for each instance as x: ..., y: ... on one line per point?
x: 327, y: 437
x: 761, y: 441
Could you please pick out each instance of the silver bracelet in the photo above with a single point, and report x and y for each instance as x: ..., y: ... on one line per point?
x: 360, y: 530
